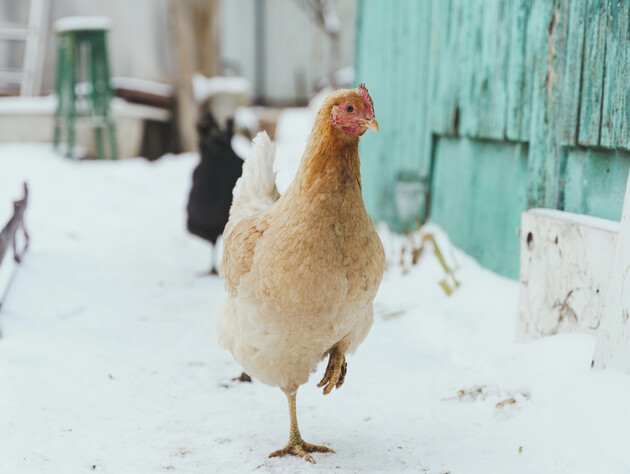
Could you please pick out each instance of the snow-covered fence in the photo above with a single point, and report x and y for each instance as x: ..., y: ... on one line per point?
x: 8, y: 239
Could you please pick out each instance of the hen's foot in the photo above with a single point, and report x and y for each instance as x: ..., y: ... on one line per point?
x: 335, y: 372
x: 301, y: 449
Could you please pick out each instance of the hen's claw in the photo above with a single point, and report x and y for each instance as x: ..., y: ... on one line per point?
x: 301, y: 449
x: 335, y: 372
x: 342, y: 377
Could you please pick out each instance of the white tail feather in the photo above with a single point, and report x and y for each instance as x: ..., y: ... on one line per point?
x: 256, y: 189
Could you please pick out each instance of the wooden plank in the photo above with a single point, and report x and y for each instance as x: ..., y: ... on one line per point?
x: 454, y: 80
x: 424, y: 77
x: 491, y: 85
x: 372, y: 36
x: 447, y: 26
x: 537, y: 193
x: 531, y: 60
x: 550, y: 30
x: 469, y: 46
x: 597, y: 12
x: 594, y: 181
x: 437, y: 68
x: 572, y: 72
x: 416, y: 21
x: 389, y: 162
x: 516, y: 67
x: 468, y: 176
x: 565, y: 262
x: 615, y: 129
x: 399, y: 35
x: 408, y: 94
x: 519, y: 75
x: 398, y: 86
x: 613, y: 340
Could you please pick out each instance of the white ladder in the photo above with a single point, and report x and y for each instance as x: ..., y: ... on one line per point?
x: 34, y: 35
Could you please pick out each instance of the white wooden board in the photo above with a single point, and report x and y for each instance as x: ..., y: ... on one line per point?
x: 566, y: 261
x: 613, y: 340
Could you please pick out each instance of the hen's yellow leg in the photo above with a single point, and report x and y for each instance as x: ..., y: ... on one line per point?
x: 335, y: 372
x: 297, y: 446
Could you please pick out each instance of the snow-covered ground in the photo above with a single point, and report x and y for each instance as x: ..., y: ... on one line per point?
x: 109, y: 361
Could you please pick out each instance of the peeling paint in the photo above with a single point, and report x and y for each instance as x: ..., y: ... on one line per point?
x: 552, y: 75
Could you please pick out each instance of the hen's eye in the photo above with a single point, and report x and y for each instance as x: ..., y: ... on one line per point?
x: 349, y: 109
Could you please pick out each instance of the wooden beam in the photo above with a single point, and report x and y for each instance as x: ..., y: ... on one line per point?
x: 613, y: 340
x: 550, y: 30
x: 195, y: 27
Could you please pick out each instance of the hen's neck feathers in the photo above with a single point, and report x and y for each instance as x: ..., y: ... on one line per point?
x: 331, y: 159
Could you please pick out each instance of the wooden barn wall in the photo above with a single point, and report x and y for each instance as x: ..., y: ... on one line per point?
x: 503, y: 105
x: 393, y: 60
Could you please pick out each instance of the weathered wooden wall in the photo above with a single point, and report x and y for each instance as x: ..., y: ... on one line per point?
x: 393, y: 57
x: 504, y: 104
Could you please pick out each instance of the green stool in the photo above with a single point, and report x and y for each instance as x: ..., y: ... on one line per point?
x: 82, y: 58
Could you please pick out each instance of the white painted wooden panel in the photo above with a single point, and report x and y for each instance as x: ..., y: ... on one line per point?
x: 565, y: 264
x: 613, y: 340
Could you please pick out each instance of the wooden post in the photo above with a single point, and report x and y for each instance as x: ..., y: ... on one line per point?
x: 195, y: 27
x: 613, y: 339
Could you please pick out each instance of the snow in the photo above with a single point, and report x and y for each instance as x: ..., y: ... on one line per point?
x: 142, y: 85
x: 241, y: 145
x: 581, y: 219
x: 28, y: 105
x: 18, y: 106
x: 82, y: 23
x: 245, y: 118
x: 109, y: 361
x: 206, y: 87
x: 345, y: 76
x: 292, y: 130
x: 332, y: 23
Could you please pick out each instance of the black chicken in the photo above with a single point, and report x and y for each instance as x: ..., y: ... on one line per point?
x: 213, y: 180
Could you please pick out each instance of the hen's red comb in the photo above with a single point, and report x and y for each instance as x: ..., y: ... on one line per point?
x: 367, y: 100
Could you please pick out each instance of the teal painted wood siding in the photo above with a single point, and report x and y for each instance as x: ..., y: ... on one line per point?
x: 503, y: 105
x: 398, y: 82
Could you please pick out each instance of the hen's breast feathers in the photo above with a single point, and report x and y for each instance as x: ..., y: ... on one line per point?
x: 305, y: 250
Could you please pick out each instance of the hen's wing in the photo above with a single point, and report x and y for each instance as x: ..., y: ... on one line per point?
x: 238, y: 249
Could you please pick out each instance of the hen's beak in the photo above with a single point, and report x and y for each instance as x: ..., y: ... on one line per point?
x: 371, y: 124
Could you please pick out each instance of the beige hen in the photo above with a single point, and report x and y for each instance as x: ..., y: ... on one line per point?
x: 302, y: 270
